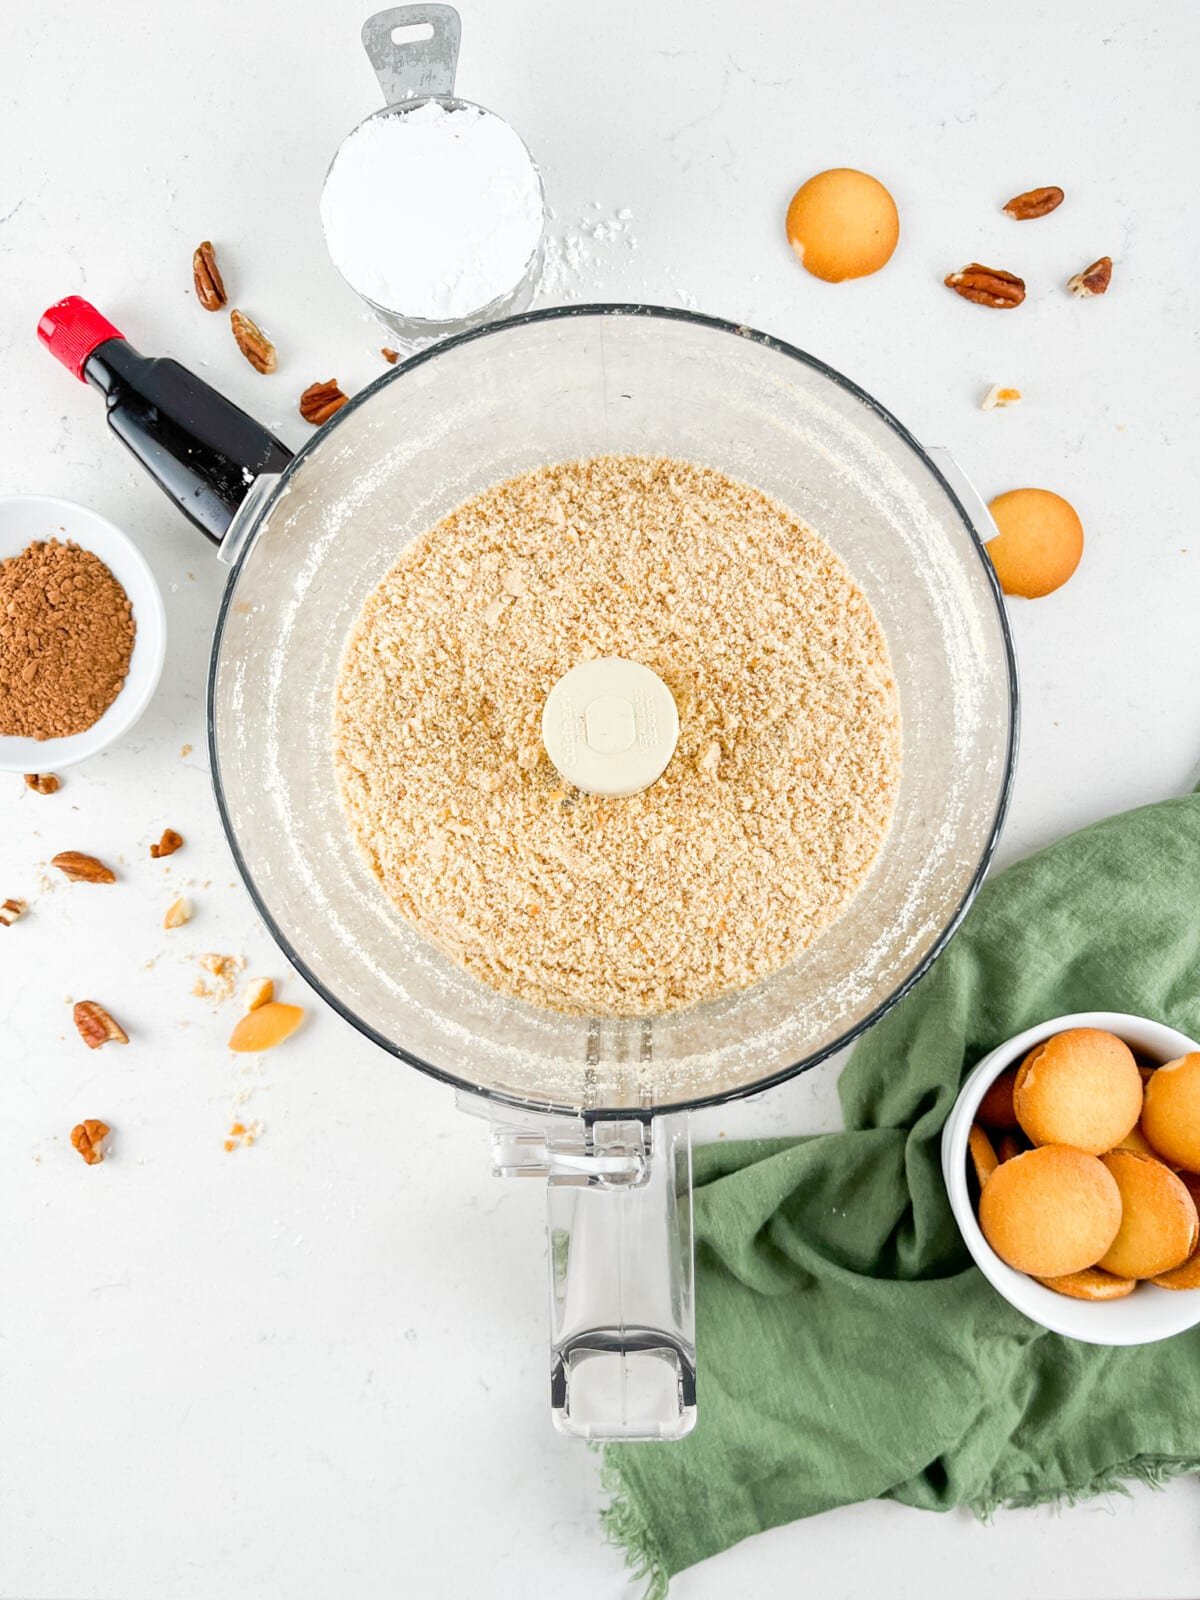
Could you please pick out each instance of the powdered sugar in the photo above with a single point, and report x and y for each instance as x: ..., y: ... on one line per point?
x: 433, y: 213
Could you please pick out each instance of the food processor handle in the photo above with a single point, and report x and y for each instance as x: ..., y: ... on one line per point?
x: 208, y: 455
x: 411, y: 69
x: 619, y: 1225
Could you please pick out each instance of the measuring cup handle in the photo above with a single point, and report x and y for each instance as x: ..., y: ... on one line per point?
x: 411, y: 69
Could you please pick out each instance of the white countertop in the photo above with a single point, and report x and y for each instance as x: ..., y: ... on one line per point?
x: 318, y: 1367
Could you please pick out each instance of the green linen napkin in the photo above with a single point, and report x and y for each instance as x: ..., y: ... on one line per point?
x: 848, y: 1349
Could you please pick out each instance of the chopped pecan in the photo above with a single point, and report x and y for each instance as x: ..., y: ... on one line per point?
x: 10, y: 911
x: 987, y: 286
x: 253, y: 342
x: 87, y: 1137
x: 96, y: 1027
x: 82, y: 869
x: 390, y: 356
x: 210, y: 291
x: 320, y: 400
x: 42, y: 782
x: 1034, y: 203
x: 1092, y: 280
x: 167, y: 845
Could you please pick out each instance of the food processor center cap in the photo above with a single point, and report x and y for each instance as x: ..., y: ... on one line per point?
x: 610, y: 726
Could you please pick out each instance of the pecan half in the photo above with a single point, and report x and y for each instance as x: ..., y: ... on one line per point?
x: 87, y: 1137
x: 167, y: 845
x: 42, y: 782
x: 390, y: 356
x: 1034, y: 203
x: 96, y: 1027
x: 210, y: 291
x: 1092, y: 280
x: 320, y: 400
x: 253, y: 342
x: 82, y: 869
x: 10, y: 910
x: 987, y: 286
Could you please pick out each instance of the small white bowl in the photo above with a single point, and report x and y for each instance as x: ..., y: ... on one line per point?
x: 26, y: 517
x: 1143, y: 1317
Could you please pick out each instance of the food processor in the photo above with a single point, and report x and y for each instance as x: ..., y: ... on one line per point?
x: 596, y: 1105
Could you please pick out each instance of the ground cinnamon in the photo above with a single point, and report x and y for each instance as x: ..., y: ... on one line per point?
x: 66, y: 636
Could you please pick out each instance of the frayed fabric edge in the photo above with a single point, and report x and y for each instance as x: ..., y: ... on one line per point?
x: 1156, y: 1472
x: 625, y: 1526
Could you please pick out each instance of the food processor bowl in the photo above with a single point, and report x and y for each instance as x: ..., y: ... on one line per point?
x: 599, y: 1105
x: 546, y: 388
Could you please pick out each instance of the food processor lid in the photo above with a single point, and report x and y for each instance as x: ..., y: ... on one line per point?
x: 575, y: 381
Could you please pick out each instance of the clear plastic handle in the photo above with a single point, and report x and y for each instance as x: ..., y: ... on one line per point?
x: 622, y: 1315
x: 619, y: 1223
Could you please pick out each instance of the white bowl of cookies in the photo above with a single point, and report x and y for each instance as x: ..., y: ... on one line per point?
x: 1072, y: 1162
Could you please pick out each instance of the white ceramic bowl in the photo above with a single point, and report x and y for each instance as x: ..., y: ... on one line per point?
x: 25, y: 517
x: 1146, y: 1315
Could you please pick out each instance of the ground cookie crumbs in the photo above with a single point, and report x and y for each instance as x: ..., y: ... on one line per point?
x: 66, y: 637
x: 223, y: 972
x: 771, y: 811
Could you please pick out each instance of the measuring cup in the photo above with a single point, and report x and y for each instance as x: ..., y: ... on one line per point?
x: 413, y: 73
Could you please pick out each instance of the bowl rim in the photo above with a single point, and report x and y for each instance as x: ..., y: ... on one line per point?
x: 610, y: 310
x: 151, y: 636
x: 1055, y: 1312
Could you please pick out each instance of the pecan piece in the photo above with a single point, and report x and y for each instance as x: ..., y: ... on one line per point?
x: 987, y: 286
x: 390, y: 356
x: 320, y: 400
x: 206, y: 275
x: 1092, y: 280
x: 87, y: 1137
x: 167, y: 845
x: 253, y: 342
x: 42, y: 782
x: 82, y: 869
x: 1034, y: 203
x: 10, y: 910
x: 96, y: 1027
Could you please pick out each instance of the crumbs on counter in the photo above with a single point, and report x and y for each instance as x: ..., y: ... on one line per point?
x: 243, y: 1134
x: 178, y: 912
x: 998, y: 397
x: 222, y: 976
x: 167, y: 845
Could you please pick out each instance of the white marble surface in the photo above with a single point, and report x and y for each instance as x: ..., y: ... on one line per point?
x: 317, y: 1368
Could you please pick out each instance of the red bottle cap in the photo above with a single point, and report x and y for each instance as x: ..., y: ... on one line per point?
x: 71, y: 329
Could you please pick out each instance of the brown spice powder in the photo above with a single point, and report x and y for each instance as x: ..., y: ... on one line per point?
x: 66, y: 638
x: 771, y: 811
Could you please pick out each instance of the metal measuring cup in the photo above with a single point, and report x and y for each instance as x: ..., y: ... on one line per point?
x: 412, y: 73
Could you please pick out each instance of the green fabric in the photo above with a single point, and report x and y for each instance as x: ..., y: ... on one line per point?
x: 847, y: 1347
